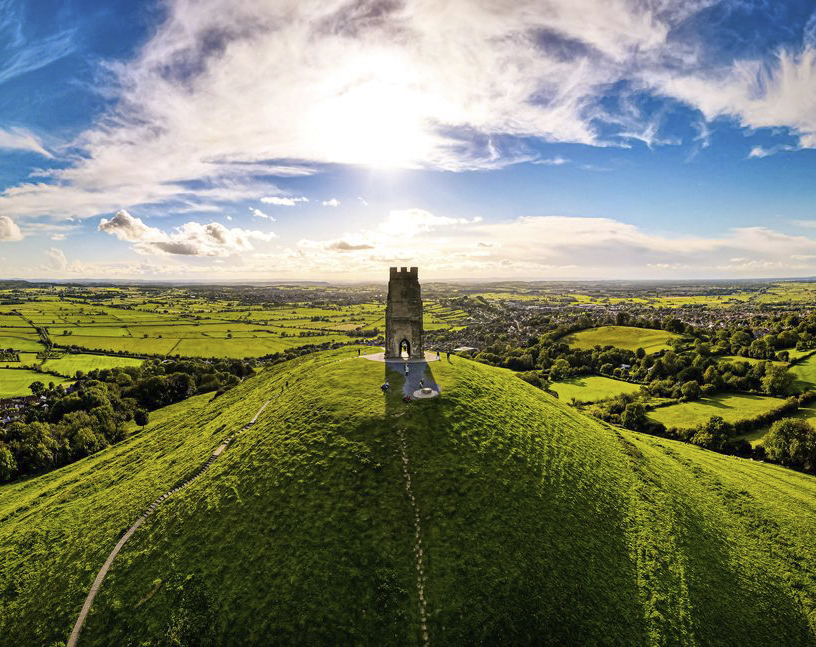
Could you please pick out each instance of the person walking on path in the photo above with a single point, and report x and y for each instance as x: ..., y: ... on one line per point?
x: 358, y: 352
x: 406, y: 368
x: 448, y: 355
x: 437, y: 354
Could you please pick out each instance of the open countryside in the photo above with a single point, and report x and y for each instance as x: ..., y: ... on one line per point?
x: 395, y: 322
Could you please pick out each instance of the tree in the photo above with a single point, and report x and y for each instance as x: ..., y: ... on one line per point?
x: 712, y: 434
x: 634, y: 416
x: 792, y: 442
x: 37, y: 388
x: 690, y: 390
x: 8, y: 465
x: 141, y: 417
x: 778, y: 380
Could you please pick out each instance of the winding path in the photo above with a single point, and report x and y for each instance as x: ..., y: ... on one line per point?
x: 72, y: 641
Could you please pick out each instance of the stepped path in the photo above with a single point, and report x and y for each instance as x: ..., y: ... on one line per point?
x: 72, y: 641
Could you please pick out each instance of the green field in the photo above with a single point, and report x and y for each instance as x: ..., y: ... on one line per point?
x: 748, y: 360
x: 628, y: 338
x: 591, y: 388
x: 805, y: 373
x: 177, y: 323
x: 539, y: 525
x: 69, y: 364
x: 806, y: 412
x: 15, y: 382
x: 729, y: 406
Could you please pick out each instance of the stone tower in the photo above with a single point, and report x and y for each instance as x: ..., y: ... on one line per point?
x: 403, y: 315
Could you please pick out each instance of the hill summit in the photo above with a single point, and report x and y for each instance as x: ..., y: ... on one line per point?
x: 492, y: 515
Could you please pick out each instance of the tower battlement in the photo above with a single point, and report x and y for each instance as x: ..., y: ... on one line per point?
x: 404, y: 272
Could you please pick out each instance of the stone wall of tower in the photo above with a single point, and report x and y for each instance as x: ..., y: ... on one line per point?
x: 403, y: 313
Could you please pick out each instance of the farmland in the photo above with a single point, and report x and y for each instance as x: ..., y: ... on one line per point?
x: 173, y: 322
x: 14, y: 382
x: 628, y: 338
x: 68, y: 365
x: 591, y: 388
x: 731, y: 407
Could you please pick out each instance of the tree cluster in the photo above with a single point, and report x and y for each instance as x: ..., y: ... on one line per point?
x: 72, y: 423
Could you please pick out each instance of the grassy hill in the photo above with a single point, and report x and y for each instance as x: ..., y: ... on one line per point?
x: 626, y: 337
x: 539, y: 526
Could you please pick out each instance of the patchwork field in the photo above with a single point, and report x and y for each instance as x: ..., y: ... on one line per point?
x: 591, y: 388
x: 175, y: 323
x: 15, y: 382
x: 729, y: 406
x: 626, y: 337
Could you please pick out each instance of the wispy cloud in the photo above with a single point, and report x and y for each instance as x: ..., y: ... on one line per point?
x: 22, y: 139
x: 412, y: 84
x: 279, y: 201
x: 551, y: 161
x: 20, y: 55
x: 257, y: 213
x: 780, y: 92
x: 333, y: 202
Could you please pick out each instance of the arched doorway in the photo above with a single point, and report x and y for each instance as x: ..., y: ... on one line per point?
x: 405, y: 349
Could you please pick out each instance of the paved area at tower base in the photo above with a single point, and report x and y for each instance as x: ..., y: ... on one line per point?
x: 380, y: 357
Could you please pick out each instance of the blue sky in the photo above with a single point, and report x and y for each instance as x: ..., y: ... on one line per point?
x: 248, y: 139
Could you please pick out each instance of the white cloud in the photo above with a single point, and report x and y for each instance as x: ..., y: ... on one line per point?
x: 23, y: 140
x: 333, y: 202
x: 407, y: 223
x: 552, y: 161
x: 9, y: 230
x: 257, y: 213
x: 190, y: 239
x: 362, y: 201
x: 455, y: 85
x: 407, y: 84
x: 283, y: 202
x: 761, y: 94
x: 57, y: 236
x: 556, y: 247
x: 56, y: 259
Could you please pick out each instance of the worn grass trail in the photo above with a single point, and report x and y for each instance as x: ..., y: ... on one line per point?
x: 86, y: 607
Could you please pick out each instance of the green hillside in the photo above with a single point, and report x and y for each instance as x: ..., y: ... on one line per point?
x: 538, y: 525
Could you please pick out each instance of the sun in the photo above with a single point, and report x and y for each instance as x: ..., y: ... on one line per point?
x: 374, y: 120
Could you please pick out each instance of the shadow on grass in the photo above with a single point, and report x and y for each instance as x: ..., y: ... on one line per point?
x: 404, y: 384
